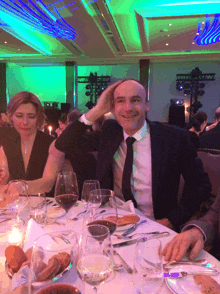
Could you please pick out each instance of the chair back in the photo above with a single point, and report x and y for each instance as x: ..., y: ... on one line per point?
x: 211, y: 163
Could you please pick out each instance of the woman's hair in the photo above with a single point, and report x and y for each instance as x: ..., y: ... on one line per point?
x: 25, y: 97
x: 198, y: 119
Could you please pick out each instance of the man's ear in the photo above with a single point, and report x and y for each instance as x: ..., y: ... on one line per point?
x: 147, y: 103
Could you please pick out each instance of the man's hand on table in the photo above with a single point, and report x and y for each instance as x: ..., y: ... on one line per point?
x: 192, y: 239
x: 207, y: 283
x: 165, y: 222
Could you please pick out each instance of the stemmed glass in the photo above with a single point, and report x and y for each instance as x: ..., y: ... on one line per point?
x: 17, y: 196
x: 88, y: 186
x: 148, y: 266
x: 108, y: 218
x: 66, y: 190
x: 95, y: 263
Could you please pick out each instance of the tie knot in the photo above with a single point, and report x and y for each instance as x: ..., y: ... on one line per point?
x: 130, y: 141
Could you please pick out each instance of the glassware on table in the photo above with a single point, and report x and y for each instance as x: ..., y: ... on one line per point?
x: 66, y: 190
x: 95, y: 263
x: 108, y: 218
x: 53, y: 255
x: 88, y: 186
x: 38, y: 208
x: 17, y: 196
x: 148, y: 266
x: 59, y: 288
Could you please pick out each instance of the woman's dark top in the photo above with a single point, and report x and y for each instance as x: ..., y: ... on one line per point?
x: 11, y: 143
x: 194, y: 139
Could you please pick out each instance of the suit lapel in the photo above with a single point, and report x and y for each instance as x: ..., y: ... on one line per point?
x: 157, y: 155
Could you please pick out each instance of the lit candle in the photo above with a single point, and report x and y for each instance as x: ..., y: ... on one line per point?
x: 15, y: 236
x: 50, y: 129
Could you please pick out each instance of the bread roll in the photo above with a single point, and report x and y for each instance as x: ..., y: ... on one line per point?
x: 15, y: 256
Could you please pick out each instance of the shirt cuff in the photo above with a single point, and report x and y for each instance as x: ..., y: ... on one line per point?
x: 83, y: 119
x: 185, y: 228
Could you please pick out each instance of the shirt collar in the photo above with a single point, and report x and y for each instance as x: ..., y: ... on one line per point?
x: 140, y: 134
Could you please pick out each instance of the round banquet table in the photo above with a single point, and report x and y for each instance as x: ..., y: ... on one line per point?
x: 122, y: 282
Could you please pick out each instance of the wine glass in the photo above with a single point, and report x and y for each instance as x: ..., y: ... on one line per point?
x: 38, y: 208
x: 57, y: 251
x: 88, y: 186
x: 66, y: 190
x: 17, y: 196
x: 108, y: 218
x: 95, y: 263
x: 148, y: 266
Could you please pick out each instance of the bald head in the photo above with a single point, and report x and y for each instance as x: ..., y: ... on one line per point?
x: 217, y: 114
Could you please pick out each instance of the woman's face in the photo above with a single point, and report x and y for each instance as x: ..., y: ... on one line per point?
x: 62, y: 126
x: 25, y: 119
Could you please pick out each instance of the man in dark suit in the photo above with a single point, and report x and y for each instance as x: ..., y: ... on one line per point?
x: 196, y: 234
x: 211, y: 138
x: 161, y: 154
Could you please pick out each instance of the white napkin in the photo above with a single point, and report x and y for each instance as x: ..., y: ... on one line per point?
x: 128, y: 205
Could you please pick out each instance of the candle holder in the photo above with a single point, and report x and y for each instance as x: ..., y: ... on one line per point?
x: 16, y: 233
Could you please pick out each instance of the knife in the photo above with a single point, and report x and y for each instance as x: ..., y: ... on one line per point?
x: 134, y: 241
x: 209, y: 272
x: 133, y: 228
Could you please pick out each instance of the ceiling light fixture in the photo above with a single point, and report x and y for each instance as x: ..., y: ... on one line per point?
x: 170, y: 24
x: 167, y: 44
x: 5, y: 42
x: 40, y: 18
x: 210, y: 33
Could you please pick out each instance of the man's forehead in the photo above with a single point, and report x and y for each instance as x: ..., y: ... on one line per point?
x: 131, y: 88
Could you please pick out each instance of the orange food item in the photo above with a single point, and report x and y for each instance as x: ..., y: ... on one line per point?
x: 125, y: 219
x: 15, y: 256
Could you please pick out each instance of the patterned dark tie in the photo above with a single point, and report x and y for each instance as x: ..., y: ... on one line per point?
x: 126, y: 178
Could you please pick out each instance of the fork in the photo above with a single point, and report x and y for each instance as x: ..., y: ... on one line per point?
x: 130, y: 237
x: 76, y: 217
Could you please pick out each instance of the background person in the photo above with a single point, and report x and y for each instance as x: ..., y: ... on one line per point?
x: 198, y: 124
x: 211, y: 138
x: 161, y: 154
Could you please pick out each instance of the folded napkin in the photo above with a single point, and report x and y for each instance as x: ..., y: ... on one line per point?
x: 128, y: 205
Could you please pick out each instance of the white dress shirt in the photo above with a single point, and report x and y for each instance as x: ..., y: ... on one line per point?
x: 141, y: 183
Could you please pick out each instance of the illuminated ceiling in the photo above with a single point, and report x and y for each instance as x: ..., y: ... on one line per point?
x: 110, y: 31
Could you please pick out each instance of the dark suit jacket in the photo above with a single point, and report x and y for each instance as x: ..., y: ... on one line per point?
x: 211, y: 139
x: 172, y: 155
x: 210, y: 224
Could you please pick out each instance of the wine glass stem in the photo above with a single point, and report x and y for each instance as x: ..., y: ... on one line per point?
x: 95, y: 290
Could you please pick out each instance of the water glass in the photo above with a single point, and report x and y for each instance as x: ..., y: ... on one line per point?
x: 88, y: 186
x: 148, y: 266
x: 38, y: 208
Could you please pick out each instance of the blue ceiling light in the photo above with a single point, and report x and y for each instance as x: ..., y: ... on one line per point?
x: 211, y: 32
x: 40, y: 18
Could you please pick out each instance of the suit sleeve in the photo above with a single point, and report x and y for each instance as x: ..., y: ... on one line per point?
x: 197, y: 184
x: 210, y: 222
x: 75, y: 138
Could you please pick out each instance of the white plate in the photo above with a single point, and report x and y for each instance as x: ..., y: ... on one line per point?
x: 186, y: 285
x: 55, y: 212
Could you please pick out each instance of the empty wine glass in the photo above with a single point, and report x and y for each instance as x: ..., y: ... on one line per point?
x: 109, y: 217
x: 66, y: 190
x: 95, y: 201
x: 95, y: 263
x: 88, y: 186
x: 148, y: 266
x: 17, y: 196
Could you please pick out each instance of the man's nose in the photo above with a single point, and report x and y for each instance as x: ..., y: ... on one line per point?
x: 128, y: 105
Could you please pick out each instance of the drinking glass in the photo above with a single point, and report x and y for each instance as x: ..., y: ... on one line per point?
x: 109, y: 217
x: 148, y: 266
x: 38, y: 208
x: 95, y: 263
x: 88, y: 186
x: 66, y: 190
x: 17, y: 196
x: 58, y: 251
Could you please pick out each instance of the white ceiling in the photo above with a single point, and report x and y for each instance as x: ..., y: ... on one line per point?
x: 111, y: 31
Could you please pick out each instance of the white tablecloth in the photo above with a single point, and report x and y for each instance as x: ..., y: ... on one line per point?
x: 121, y: 283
